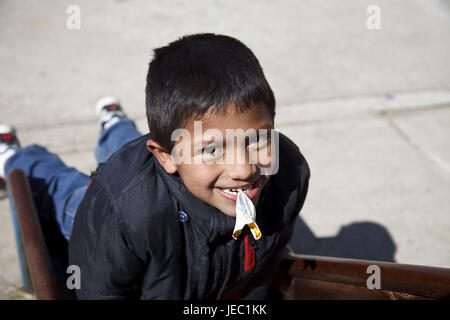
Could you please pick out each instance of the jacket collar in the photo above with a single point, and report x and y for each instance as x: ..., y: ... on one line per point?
x: 209, y: 221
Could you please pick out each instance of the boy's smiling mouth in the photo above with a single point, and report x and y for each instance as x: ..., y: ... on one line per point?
x: 231, y: 193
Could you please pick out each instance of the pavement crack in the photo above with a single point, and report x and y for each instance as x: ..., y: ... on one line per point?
x: 407, y: 111
x: 436, y: 160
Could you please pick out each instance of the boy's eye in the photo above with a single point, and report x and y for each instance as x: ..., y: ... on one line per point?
x: 263, y: 143
x: 260, y: 143
x: 211, y: 150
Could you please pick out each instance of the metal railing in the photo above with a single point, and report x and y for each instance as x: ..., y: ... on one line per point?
x: 36, y: 262
x: 317, y: 277
x: 300, y: 277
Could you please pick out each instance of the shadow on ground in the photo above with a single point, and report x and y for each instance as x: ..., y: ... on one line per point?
x: 360, y: 240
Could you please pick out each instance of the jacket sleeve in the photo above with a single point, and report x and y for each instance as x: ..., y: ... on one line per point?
x: 109, y: 268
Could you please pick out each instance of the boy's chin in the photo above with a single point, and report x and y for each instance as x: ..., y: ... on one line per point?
x: 227, y: 209
x: 231, y: 213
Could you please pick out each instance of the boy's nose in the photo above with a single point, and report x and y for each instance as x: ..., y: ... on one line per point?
x: 242, y: 172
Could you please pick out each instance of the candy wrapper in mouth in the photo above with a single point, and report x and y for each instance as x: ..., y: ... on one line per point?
x: 245, y: 215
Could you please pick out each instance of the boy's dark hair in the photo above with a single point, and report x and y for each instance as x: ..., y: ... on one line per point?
x: 200, y: 73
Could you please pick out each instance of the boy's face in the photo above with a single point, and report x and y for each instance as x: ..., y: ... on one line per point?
x: 211, y: 166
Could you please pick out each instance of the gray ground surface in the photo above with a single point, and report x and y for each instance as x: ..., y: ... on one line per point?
x: 369, y: 109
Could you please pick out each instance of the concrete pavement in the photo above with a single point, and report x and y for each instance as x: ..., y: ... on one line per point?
x: 369, y: 109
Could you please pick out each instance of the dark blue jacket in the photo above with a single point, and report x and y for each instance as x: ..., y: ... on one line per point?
x: 129, y: 241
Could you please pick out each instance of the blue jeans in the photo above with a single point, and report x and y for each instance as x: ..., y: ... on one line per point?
x: 58, y: 189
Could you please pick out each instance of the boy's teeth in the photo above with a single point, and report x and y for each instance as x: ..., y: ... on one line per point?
x: 235, y: 191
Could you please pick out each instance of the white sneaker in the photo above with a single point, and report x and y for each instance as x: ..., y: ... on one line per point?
x: 109, y: 111
x: 9, y: 145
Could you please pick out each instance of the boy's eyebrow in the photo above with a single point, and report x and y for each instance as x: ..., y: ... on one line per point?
x: 266, y: 126
x: 206, y: 141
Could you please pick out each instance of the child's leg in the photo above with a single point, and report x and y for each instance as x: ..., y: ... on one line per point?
x: 57, y: 189
x: 114, y: 137
x: 117, y: 129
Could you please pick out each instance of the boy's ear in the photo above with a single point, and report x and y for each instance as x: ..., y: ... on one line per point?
x: 162, y: 155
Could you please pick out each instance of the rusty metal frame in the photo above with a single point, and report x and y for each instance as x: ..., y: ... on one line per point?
x: 316, y: 277
x: 34, y: 246
x: 300, y: 277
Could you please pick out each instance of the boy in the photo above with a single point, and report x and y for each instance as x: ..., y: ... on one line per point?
x: 157, y: 219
